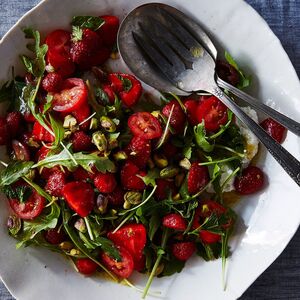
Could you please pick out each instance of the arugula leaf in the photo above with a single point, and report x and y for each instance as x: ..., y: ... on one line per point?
x: 201, y: 138
x: 149, y: 178
x: 233, y: 139
x: 32, y: 228
x: 172, y: 266
x: 90, y: 22
x: 102, y: 164
x: 77, y: 34
x: 48, y: 104
x: 58, y: 130
x: 127, y: 84
x: 14, y: 171
x: 100, y: 94
x: 38, y: 189
x: 22, y: 193
x: 37, y: 65
x: 154, y: 224
x: 245, y: 81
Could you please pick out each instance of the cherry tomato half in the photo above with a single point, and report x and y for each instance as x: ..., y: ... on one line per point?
x: 144, y: 125
x: 123, y: 268
x: 213, y: 112
x: 132, y: 237
x: 29, y: 209
x: 73, y: 95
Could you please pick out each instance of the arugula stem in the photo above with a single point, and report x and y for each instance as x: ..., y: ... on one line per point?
x: 229, y: 177
x: 124, y: 221
x: 224, y: 257
x: 223, y: 128
x: 70, y: 154
x: 38, y: 189
x: 157, y: 262
x: 88, y: 118
x: 89, y: 229
x: 218, y: 161
x: 230, y: 150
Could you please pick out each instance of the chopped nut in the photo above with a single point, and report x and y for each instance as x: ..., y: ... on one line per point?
x: 108, y: 124
x: 80, y: 225
x: 14, y: 224
x: 133, y: 197
x: 102, y: 202
x: 94, y: 124
x: 120, y: 155
x: 66, y: 246
x: 185, y: 164
x: 126, y: 205
x: 100, y: 141
x: 70, y: 122
x: 169, y: 172
x: 176, y: 197
x: 160, y: 160
x: 74, y: 252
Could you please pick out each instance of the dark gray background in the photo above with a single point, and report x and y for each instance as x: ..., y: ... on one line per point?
x: 282, y: 279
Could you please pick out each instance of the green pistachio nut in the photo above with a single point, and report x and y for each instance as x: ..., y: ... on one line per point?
x: 74, y: 252
x: 185, y: 164
x: 80, y: 225
x: 70, y: 122
x: 94, y: 124
x: 176, y: 197
x: 120, y: 155
x: 108, y: 124
x: 67, y: 246
x: 14, y: 224
x: 156, y: 113
x: 101, y: 203
x: 126, y: 205
x: 100, y: 141
x: 113, y: 212
x: 169, y: 172
x: 133, y: 197
x: 160, y: 160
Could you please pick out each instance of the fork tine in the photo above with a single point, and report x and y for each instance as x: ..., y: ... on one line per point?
x: 178, y: 30
x: 158, y: 60
x: 172, y: 40
x: 165, y: 50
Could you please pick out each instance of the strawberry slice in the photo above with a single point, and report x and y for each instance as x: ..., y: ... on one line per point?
x: 198, y: 178
x: 129, y: 179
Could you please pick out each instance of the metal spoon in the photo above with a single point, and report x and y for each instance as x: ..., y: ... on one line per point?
x: 181, y: 58
x: 149, y: 74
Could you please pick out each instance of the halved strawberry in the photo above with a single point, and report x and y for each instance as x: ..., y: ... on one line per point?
x: 105, y: 183
x: 108, y: 31
x: 129, y: 179
x: 174, y: 221
x: 56, y: 183
x: 198, y: 177
x: 177, y: 120
x: 81, y: 141
x: 139, y: 151
x: 39, y: 133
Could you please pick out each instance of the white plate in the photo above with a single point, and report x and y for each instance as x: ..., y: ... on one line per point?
x: 270, y: 218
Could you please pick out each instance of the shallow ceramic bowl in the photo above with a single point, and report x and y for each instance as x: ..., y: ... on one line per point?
x: 267, y: 220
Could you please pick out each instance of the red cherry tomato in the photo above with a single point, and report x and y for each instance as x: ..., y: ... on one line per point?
x: 127, y: 86
x: 73, y: 95
x: 58, y: 55
x: 213, y: 112
x: 191, y: 106
x: 204, y: 211
x: 133, y: 238
x: 144, y: 125
x: 21, y: 150
x: 86, y: 266
x: 39, y: 133
x: 108, y: 31
x: 29, y: 209
x: 80, y: 197
x: 123, y: 268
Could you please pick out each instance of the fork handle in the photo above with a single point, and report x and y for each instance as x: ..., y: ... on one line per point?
x: 289, y: 163
x: 287, y: 122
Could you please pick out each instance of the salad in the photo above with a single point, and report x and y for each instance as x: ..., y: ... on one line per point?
x: 111, y: 178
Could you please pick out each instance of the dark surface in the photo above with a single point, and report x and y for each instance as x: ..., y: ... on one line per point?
x: 282, y: 279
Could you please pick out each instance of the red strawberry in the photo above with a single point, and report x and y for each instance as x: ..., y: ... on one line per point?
x: 139, y: 151
x: 28, y: 117
x: 177, y: 120
x: 109, y: 92
x: 108, y: 31
x: 105, y: 183
x: 274, y: 129
x: 52, y: 82
x: 116, y: 198
x: 80, y: 197
x: 55, y: 183
x: 81, y: 174
x: 129, y: 179
x: 227, y: 72
x: 3, y: 131
x: 251, y: 181
x: 39, y: 133
x: 81, y: 141
x: 198, y: 177
x: 14, y: 120
x: 86, y: 266
x: 81, y: 115
x: 164, y: 187
x: 174, y: 221
x: 83, y: 50
x: 54, y: 237
x: 191, y: 108
x: 183, y: 250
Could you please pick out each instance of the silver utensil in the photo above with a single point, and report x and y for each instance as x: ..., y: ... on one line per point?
x: 147, y: 73
x: 176, y: 53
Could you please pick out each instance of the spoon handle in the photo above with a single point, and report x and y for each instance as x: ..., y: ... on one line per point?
x: 289, y: 163
x: 287, y: 122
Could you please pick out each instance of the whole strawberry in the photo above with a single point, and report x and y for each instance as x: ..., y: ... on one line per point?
x: 56, y: 183
x: 105, y: 183
x: 177, y: 120
x: 198, y: 178
x: 86, y: 48
x: 81, y: 141
x: 52, y: 82
x: 139, y: 151
x: 129, y: 177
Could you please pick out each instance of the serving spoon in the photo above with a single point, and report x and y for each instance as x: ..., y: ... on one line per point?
x: 177, y: 54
